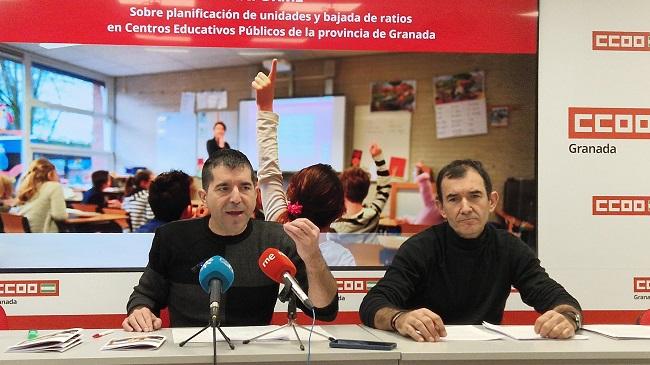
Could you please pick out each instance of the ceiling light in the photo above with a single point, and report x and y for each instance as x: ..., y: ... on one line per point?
x: 261, y: 53
x: 56, y: 45
x: 282, y: 66
x: 167, y: 50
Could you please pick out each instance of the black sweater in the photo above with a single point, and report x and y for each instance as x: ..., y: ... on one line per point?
x: 171, y: 276
x: 463, y: 281
x: 212, y: 146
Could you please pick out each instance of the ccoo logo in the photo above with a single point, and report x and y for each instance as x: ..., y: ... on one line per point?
x: 620, y: 205
x: 609, y: 123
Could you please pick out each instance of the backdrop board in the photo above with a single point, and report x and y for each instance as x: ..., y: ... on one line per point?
x: 178, y: 130
x: 311, y: 131
x: 594, y: 113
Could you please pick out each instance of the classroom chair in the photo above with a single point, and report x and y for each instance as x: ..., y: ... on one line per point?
x: 124, y: 223
x: 14, y: 223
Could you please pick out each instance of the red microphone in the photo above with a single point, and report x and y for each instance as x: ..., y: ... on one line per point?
x: 277, y: 266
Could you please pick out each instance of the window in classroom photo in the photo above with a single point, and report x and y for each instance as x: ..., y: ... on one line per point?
x: 12, y: 74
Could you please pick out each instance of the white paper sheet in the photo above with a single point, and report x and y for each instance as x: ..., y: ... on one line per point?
x: 245, y: 333
x: 523, y: 332
x: 469, y: 333
x: 621, y: 331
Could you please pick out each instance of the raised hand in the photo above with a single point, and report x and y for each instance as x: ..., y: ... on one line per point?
x: 264, y: 86
x: 375, y: 150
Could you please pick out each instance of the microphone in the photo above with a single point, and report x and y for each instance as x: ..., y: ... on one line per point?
x: 216, y: 276
x: 277, y: 266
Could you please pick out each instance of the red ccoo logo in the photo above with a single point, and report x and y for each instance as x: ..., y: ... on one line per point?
x: 620, y: 41
x: 621, y: 205
x: 355, y: 285
x: 609, y: 123
x: 29, y: 288
x: 642, y: 285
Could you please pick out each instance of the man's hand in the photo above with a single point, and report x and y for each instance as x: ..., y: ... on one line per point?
x: 421, y: 325
x: 552, y: 324
x: 264, y: 86
x: 305, y: 234
x: 375, y: 150
x: 141, y: 320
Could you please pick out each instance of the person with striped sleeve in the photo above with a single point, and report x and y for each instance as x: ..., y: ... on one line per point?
x: 359, y: 217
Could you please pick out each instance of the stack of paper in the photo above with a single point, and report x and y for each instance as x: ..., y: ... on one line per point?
x: 53, y: 342
x: 141, y: 342
x: 523, y: 332
x: 469, y: 333
x: 621, y: 331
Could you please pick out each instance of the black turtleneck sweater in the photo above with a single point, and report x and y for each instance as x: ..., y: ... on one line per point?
x: 171, y: 276
x: 464, y: 281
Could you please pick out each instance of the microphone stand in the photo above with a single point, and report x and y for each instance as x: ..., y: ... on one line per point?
x: 287, y: 295
x: 214, y: 323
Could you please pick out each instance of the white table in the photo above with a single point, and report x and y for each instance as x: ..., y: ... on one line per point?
x: 285, y: 352
x: 596, y: 350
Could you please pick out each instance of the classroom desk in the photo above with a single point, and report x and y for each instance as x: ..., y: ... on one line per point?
x: 74, y: 223
x: 285, y: 352
x: 597, y: 350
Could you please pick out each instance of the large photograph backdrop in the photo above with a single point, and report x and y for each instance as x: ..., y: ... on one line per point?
x: 592, y: 125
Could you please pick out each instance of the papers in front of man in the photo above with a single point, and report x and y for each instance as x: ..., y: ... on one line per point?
x: 58, y: 341
x: 621, y: 331
x: 523, y: 332
x: 469, y: 333
x: 248, y: 332
x: 141, y: 342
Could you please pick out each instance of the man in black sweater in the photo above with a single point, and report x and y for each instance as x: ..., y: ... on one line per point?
x: 219, y: 141
x: 178, y: 249
x: 461, y: 271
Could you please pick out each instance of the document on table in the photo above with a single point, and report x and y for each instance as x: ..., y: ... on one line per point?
x: 469, y: 333
x: 58, y: 341
x: 620, y: 331
x: 246, y: 333
x: 523, y: 332
x: 138, y: 342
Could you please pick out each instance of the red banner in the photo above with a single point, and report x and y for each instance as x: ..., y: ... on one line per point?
x: 473, y: 26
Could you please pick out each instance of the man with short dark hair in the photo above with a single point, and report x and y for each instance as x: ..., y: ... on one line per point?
x: 179, y: 248
x: 462, y: 271
x: 169, y: 197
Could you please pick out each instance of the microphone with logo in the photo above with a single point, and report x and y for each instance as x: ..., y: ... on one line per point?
x: 216, y: 276
x: 277, y: 266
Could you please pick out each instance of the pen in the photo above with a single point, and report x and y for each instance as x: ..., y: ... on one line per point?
x: 103, y: 333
